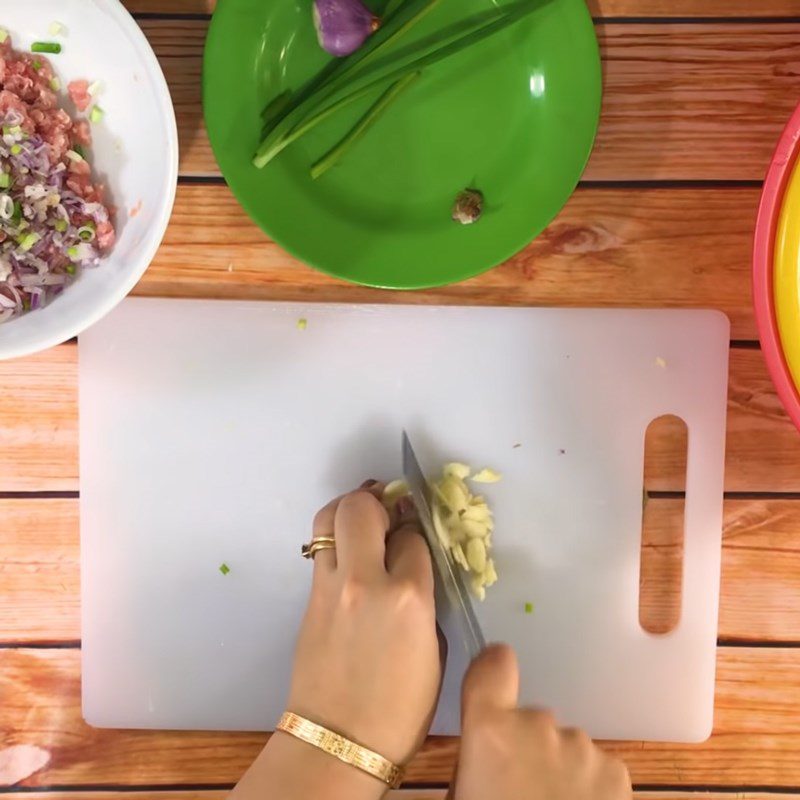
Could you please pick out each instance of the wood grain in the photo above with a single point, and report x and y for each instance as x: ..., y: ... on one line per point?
x: 756, y: 740
x: 760, y: 591
x: 682, y: 101
x: 39, y: 571
x: 402, y: 794
x: 38, y: 428
x: 39, y: 422
x: 599, y: 8
x: 608, y: 247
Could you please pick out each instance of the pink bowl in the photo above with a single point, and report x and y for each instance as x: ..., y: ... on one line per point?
x: 769, y: 210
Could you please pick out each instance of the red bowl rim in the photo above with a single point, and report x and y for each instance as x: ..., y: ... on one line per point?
x: 769, y: 208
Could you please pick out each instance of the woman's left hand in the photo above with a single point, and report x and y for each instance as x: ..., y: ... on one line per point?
x: 368, y: 663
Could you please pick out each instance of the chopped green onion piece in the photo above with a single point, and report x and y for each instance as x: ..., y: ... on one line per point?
x: 56, y: 28
x: 72, y: 252
x: 26, y: 304
x: 529, y: 608
x: 3, y: 35
x: 55, y: 85
x: 94, y: 88
x: 79, y: 150
x: 12, y: 130
x: 224, y: 569
x: 87, y: 232
x: 5, y: 180
x: 46, y: 47
x: 70, y: 269
x: 302, y: 324
x: 16, y: 217
x: 96, y: 114
x: 61, y: 225
x: 16, y: 149
x: 27, y: 241
x: 37, y: 65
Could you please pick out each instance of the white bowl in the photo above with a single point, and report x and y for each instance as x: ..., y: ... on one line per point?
x: 135, y: 153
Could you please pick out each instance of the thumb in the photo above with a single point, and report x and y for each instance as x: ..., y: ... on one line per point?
x: 491, y: 682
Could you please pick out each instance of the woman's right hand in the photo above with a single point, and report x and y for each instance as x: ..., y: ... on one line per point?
x: 508, y: 752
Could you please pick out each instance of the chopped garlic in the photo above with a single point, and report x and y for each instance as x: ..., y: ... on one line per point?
x: 463, y: 522
x: 487, y: 475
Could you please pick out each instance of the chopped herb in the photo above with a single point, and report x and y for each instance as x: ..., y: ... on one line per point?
x: 16, y: 216
x: 46, y: 47
x: 27, y: 241
x: 72, y: 252
x: 3, y: 35
x: 16, y: 149
x: 86, y: 233
x: 79, y: 150
x: 70, y: 269
x: 529, y: 608
x: 56, y: 28
x: 5, y: 180
x: 96, y: 114
x: 302, y: 324
x: 37, y: 65
x: 26, y: 304
x: 55, y: 84
x: 61, y: 225
x: 224, y: 569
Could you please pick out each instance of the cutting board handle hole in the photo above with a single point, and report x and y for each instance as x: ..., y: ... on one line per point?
x: 666, y: 445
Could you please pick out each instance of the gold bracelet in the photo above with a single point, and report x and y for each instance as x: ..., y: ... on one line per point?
x: 338, y: 746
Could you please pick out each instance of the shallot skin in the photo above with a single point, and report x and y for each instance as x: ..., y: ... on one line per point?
x: 343, y: 25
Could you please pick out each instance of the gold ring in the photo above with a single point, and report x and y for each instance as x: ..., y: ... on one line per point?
x: 315, y: 545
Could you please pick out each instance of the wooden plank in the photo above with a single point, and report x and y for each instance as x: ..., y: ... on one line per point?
x: 760, y: 592
x: 599, y: 8
x: 608, y: 247
x: 756, y: 740
x: 39, y: 422
x: 401, y: 794
x: 682, y: 101
x: 38, y: 428
x: 39, y: 571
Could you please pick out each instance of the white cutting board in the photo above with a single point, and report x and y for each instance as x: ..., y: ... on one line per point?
x: 212, y: 431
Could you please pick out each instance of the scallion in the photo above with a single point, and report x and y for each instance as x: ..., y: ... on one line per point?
x: 464, y: 34
x: 5, y: 180
x: 37, y: 65
x: 87, y: 232
x: 16, y: 149
x: 46, y: 47
x: 96, y: 114
x: 72, y: 252
x: 339, y: 150
x: 70, y: 268
x: 224, y: 569
x: 3, y: 35
x: 61, y: 225
x: 79, y: 150
x: 55, y: 85
x: 27, y: 241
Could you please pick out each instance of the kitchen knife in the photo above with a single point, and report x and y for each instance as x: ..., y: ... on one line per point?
x: 449, y: 573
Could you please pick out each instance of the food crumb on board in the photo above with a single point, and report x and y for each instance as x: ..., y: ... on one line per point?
x: 516, y: 446
x: 529, y: 608
x: 660, y: 362
x: 136, y: 210
x: 224, y: 568
x: 230, y: 267
x: 562, y: 452
x: 302, y: 324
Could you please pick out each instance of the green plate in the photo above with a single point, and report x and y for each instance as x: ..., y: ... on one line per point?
x: 514, y: 116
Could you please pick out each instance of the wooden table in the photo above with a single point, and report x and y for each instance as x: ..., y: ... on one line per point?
x: 696, y: 92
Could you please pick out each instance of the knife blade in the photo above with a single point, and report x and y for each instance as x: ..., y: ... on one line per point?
x: 449, y: 574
